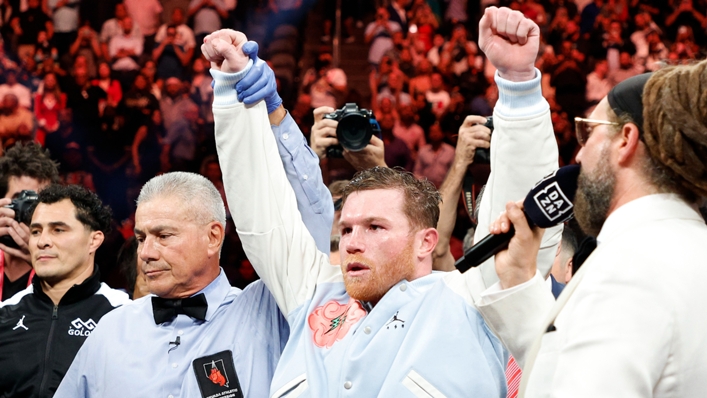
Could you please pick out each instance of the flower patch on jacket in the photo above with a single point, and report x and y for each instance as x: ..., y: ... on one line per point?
x: 331, y: 321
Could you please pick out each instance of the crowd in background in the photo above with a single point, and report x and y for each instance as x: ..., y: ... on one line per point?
x: 118, y: 93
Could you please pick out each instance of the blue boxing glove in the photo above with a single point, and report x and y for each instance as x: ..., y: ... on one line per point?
x: 259, y: 83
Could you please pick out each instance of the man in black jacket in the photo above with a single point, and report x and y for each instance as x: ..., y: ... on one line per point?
x: 43, y: 326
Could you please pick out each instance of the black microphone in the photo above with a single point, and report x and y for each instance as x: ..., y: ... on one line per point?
x: 548, y: 203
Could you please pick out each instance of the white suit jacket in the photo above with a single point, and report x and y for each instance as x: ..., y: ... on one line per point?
x: 631, y: 323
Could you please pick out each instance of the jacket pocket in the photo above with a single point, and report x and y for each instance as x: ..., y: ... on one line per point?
x: 293, y: 388
x: 420, y: 387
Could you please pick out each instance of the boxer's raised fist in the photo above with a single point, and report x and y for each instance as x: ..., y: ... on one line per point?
x: 224, y: 49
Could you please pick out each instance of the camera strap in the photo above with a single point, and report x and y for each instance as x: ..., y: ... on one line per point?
x: 470, y: 199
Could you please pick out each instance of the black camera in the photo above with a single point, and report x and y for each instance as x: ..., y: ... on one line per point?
x: 354, y: 131
x: 483, y: 155
x: 22, y: 205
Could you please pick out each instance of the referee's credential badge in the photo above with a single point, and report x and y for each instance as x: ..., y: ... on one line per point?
x: 217, y: 376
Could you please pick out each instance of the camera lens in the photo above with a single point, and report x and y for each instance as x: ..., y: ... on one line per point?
x: 354, y: 132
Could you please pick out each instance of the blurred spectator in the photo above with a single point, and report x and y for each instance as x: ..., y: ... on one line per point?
x: 65, y: 16
x: 425, y: 116
x: 180, y: 141
x: 328, y: 86
x: 434, y: 54
x: 147, y: 16
x: 201, y: 92
x: 456, y: 12
x: 394, y: 90
x: 406, y: 63
x: 349, y: 9
x: 207, y: 16
x: 108, y: 155
x: 408, y: 131
x: 685, y: 46
x: 173, y: 102
x: 73, y: 168
x: 435, y: 158
x: 570, y: 81
x: 88, y: 46
x: 454, y: 115
x: 184, y: 35
x: 614, y: 40
x: 566, y: 142
x: 84, y: 99
x: 147, y: 148
x: 47, y: 105
x: 424, y: 24
x: 11, y: 86
x: 422, y: 81
x: 27, y: 26
x: 109, y: 85
x: 589, y: 15
x: 657, y: 51
x: 45, y: 48
x: 139, y: 103
x: 149, y: 71
x: 684, y: 13
x: 643, y: 25
x: 437, y: 95
x: 379, y: 35
x: 483, y: 104
x: 598, y: 84
x: 622, y: 70
x: 211, y: 169
x: 171, y: 58
x: 397, y: 11
x: 396, y: 151
x: 16, y: 122
x: 456, y: 53
x: 112, y: 28
x: 124, y: 51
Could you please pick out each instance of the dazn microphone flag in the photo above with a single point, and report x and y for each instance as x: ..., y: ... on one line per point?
x: 548, y: 203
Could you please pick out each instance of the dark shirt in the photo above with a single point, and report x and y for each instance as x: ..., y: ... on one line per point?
x: 32, y: 22
x: 9, y: 288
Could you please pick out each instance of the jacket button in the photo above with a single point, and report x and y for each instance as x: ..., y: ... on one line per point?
x: 367, y: 330
x: 403, y: 287
x: 285, y: 136
x: 348, y: 385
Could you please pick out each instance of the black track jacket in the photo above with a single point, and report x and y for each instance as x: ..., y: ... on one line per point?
x: 38, y: 340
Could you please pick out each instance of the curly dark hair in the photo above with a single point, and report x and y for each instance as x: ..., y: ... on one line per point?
x: 421, y: 197
x: 27, y: 160
x: 90, y: 211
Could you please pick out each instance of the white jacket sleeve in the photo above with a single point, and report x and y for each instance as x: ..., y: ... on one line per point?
x: 262, y: 202
x: 523, y: 151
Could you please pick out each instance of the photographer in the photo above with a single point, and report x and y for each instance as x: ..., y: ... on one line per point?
x: 473, y: 134
x: 24, y: 167
x: 323, y: 136
x: 45, y: 325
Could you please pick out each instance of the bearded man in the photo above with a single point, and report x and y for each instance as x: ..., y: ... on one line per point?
x: 628, y: 323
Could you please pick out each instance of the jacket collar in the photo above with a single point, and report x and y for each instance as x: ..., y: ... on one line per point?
x: 76, y: 293
x: 646, y: 209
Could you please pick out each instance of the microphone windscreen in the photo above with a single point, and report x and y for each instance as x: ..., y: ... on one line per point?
x: 549, y: 202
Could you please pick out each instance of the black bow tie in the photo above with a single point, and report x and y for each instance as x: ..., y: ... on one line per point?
x: 165, y: 310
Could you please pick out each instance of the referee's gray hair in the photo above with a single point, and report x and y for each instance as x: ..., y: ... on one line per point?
x: 198, y: 194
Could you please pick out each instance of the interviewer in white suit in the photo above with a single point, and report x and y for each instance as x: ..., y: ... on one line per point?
x: 631, y: 322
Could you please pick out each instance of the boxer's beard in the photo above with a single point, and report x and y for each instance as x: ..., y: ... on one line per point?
x: 595, y: 190
x: 381, y: 277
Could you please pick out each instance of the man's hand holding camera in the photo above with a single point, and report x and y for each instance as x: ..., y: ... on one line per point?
x: 16, y: 231
x: 323, y: 136
x: 473, y: 134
